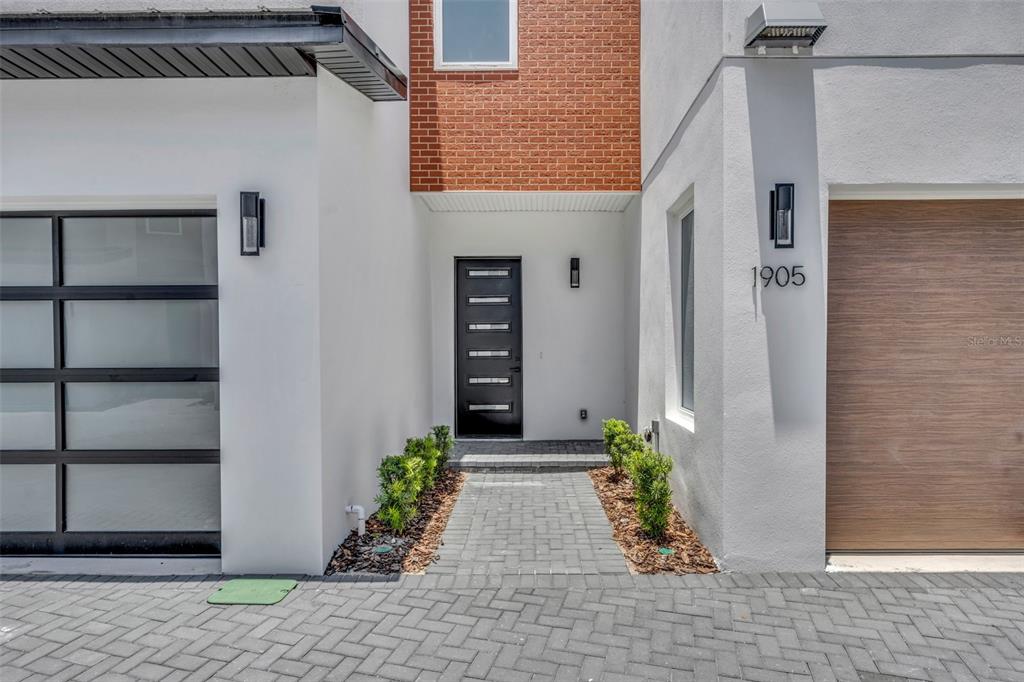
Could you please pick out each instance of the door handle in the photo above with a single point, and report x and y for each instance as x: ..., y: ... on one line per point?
x: 515, y: 369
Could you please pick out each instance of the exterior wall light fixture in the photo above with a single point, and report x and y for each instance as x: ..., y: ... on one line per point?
x: 574, y: 273
x: 785, y: 23
x: 781, y: 215
x: 253, y: 223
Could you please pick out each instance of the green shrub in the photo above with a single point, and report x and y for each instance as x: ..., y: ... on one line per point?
x: 612, y: 429
x: 649, y: 471
x: 426, y: 451
x: 403, y: 478
x: 623, y: 447
x: 443, y: 440
x: 401, y: 481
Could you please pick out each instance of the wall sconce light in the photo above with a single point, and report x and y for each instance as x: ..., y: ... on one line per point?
x: 781, y: 212
x: 574, y: 273
x: 785, y: 23
x: 253, y: 227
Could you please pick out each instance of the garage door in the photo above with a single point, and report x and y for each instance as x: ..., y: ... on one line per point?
x: 109, y: 401
x: 925, y: 430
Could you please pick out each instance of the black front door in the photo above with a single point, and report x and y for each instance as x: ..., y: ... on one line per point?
x: 488, y: 348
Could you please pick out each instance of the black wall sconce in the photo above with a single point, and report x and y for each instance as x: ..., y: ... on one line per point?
x: 253, y: 223
x: 574, y: 273
x: 781, y: 212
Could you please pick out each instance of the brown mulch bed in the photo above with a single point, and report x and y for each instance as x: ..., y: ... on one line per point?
x: 410, y: 552
x: 616, y: 495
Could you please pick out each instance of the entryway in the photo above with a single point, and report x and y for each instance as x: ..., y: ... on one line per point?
x: 522, y: 523
x: 528, y: 507
x: 488, y: 348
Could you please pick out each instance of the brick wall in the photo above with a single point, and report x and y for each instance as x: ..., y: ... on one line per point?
x: 567, y: 120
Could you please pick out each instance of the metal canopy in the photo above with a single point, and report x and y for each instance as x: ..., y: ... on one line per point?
x: 197, y: 45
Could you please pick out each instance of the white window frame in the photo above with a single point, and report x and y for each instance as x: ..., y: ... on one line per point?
x: 674, y: 410
x: 513, y: 46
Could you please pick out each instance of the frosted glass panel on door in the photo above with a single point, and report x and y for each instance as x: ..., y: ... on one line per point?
x: 142, y: 416
x: 27, y: 419
x: 129, y: 251
x: 143, y: 497
x: 26, y: 334
x: 140, y: 333
x: 26, y: 258
x: 28, y: 497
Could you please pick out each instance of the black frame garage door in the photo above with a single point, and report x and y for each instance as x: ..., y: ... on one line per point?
x: 109, y: 394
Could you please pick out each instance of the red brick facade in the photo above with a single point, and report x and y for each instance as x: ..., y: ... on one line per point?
x: 568, y: 119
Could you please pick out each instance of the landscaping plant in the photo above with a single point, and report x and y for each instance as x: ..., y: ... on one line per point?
x: 444, y: 442
x: 403, y: 478
x: 401, y: 481
x: 649, y: 471
x: 623, y: 447
x: 426, y: 451
x: 613, y: 429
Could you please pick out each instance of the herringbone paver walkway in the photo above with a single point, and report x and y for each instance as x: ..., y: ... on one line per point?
x: 510, y: 628
x: 512, y: 523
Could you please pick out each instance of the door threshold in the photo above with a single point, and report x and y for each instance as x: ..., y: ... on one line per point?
x: 925, y: 563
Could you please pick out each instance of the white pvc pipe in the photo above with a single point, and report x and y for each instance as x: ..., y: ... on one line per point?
x: 358, y: 509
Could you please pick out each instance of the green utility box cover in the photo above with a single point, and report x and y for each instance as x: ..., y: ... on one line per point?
x: 262, y: 591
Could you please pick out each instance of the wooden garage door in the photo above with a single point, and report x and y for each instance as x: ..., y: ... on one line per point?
x: 925, y: 430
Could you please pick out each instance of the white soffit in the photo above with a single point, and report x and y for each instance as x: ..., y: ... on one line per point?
x: 536, y: 202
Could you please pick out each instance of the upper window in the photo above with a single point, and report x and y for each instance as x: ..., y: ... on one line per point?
x: 475, y: 34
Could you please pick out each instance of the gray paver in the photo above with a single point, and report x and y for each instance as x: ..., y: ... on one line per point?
x: 771, y: 627
x: 528, y: 523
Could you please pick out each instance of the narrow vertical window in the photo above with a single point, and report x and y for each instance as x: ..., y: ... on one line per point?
x: 475, y: 34
x: 686, y: 312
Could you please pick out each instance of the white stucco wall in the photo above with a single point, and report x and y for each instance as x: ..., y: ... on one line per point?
x: 631, y: 327
x: 188, y: 138
x: 696, y: 167
x: 864, y: 28
x: 683, y: 43
x: 680, y: 45
x: 573, y: 339
x: 751, y: 475
x: 375, y: 290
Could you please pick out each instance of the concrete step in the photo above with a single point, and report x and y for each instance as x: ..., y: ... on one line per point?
x: 527, y: 462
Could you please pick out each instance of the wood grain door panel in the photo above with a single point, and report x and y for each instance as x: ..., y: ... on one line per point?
x: 925, y: 401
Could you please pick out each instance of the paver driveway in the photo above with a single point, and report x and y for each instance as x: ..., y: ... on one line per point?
x: 512, y: 523
x: 511, y: 628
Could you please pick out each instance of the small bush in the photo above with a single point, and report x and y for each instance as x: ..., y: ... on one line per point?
x: 403, y: 478
x: 623, y: 447
x: 425, y: 450
x: 443, y: 440
x: 612, y: 429
x: 649, y: 471
x: 401, y: 482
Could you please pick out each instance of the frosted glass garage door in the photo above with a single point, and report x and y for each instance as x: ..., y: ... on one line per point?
x: 110, y: 394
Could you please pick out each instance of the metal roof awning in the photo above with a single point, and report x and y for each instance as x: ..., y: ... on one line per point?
x: 216, y: 44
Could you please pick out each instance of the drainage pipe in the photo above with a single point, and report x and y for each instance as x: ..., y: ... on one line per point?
x: 358, y: 509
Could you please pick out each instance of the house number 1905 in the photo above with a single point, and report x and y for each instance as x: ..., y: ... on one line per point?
x: 782, y: 276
